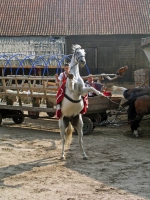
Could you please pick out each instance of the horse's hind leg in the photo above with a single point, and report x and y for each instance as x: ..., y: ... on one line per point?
x: 137, y: 130
x: 62, y: 133
x: 78, y: 125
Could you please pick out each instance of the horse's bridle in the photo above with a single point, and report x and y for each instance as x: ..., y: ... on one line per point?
x: 73, y: 101
x: 77, y: 58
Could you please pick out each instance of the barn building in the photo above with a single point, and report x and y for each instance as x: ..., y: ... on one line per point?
x: 110, y: 31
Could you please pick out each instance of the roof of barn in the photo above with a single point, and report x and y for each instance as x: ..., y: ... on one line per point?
x: 74, y: 17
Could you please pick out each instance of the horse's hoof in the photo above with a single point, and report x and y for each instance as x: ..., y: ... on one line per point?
x: 137, y: 136
x: 63, y: 158
x: 135, y: 133
x: 139, y: 132
x: 85, y: 158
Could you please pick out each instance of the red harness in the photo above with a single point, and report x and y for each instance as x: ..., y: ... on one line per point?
x: 64, y: 77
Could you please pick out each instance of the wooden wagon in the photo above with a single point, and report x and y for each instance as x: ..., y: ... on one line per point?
x: 19, y: 93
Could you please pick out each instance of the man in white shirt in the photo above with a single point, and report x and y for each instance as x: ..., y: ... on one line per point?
x: 63, y: 75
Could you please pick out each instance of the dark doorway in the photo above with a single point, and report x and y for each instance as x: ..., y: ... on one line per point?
x: 106, y: 60
x: 91, y: 62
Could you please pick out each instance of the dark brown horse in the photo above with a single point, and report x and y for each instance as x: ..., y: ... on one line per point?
x: 138, y: 102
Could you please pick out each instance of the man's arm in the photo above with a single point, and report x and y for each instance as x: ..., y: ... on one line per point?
x: 111, y: 79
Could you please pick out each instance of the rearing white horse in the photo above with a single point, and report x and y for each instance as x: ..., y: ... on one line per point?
x: 72, y: 103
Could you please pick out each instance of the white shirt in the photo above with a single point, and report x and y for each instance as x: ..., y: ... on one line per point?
x: 62, y: 76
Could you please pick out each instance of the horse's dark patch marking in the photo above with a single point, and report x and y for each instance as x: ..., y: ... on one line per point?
x: 74, y: 121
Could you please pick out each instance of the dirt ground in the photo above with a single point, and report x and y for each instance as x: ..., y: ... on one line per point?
x: 118, y: 167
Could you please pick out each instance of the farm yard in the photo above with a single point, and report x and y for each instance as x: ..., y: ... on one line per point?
x: 38, y: 41
x: 30, y: 165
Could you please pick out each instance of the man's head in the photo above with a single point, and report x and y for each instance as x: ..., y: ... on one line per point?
x: 90, y: 78
x: 66, y: 67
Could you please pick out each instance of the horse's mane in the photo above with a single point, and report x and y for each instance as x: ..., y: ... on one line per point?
x: 76, y: 46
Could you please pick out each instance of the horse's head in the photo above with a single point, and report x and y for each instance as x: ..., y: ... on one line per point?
x: 70, y: 81
x: 79, y: 55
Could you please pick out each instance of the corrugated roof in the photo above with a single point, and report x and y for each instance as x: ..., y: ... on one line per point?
x: 74, y: 17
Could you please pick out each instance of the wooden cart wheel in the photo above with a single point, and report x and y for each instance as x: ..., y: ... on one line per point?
x: 33, y: 114
x: 87, y: 125
x: 97, y: 119
x: 19, y: 118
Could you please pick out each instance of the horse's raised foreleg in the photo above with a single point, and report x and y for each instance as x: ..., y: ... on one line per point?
x: 86, y: 90
x: 62, y: 133
x: 78, y: 125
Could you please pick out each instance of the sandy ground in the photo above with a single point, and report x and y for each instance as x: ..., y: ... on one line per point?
x: 118, y: 167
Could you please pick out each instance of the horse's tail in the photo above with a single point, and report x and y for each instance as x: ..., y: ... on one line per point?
x: 69, y: 131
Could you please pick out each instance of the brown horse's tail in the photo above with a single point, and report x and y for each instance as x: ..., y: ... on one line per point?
x: 69, y: 131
